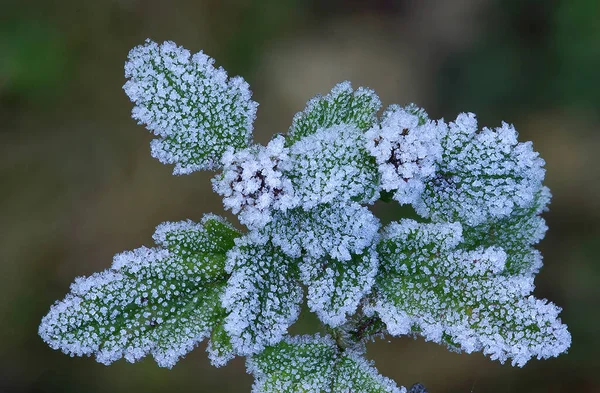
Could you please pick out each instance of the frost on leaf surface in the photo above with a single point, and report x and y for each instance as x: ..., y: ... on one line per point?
x: 154, y: 301
x: 263, y: 296
x: 314, y: 364
x: 342, y: 105
x: 406, y: 146
x: 335, y: 287
x: 332, y: 164
x: 482, y: 175
x: 337, y: 230
x: 516, y: 234
x: 194, y: 108
x: 252, y: 184
x: 462, y: 298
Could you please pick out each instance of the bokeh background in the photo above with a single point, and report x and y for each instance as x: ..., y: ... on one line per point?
x: 77, y: 183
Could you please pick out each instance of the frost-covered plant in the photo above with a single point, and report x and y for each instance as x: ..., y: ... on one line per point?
x: 462, y: 275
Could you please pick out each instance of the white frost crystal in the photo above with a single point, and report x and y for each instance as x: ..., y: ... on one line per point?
x: 193, y: 107
x: 483, y: 174
x: 406, y: 146
x: 252, y: 184
x: 464, y: 278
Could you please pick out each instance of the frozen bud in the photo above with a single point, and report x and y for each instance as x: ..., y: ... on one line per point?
x: 252, y: 184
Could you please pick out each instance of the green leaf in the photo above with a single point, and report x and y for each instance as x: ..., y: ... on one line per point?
x: 341, y: 106
x: 314, y: 364
x: 154, y: 301
x: 462, y: 298
x: 263, y: 296
x: 194, y: 108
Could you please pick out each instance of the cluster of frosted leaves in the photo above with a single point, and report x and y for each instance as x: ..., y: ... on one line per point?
x: 194, y: 108
x: 483, y: 174
x: 314, y: 364
x: 158, y: 301
x: 332, y: 164
x: 463, y: 298
x: 406, y: 146
x: 253, y: 185
x: 342, y: 105
x: 263, y: 295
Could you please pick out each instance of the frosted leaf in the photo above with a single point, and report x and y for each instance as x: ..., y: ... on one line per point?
x: 314, y: 364
x: 462, y: 298
x: 151, y: 301
x: 193, y: 107
x: 212, y: 235
x: 337, y: 230
x: 252, y: 184
x: 263, y: 296
x: 342, y: 105
x: 332, y: 164
x: 406, y: 147
x: 516, y: 234
x: 335, y: 288
x: 220, y: 349
x: 482, y: 175
x: 357, y: 374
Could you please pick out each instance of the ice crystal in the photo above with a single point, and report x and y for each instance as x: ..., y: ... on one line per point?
x: 462, y: 275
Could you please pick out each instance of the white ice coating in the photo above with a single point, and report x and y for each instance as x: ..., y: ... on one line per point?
x: 407, y: 148
x: 193, y: 107
x: 253, y: 185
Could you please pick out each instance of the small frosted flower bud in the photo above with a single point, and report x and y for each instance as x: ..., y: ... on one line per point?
x: 252, y: 184
x: 406, y: 147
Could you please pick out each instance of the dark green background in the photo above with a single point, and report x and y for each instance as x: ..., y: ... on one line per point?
x: 77, y: 183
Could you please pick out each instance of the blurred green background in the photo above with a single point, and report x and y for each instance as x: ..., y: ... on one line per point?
x: 78, y: 183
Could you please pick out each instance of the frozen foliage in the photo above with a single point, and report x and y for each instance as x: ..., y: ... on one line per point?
x: 252, y: 183
x: 462, y: 275
x: 313, y: 364
x: 483, y: 174
x: 263, y: 296
x: 342, y: 105
x: 194, y: 108
x: 462, y: 298
x: 151, y: 301
x: 406, y: 146
x: 332, y: 165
